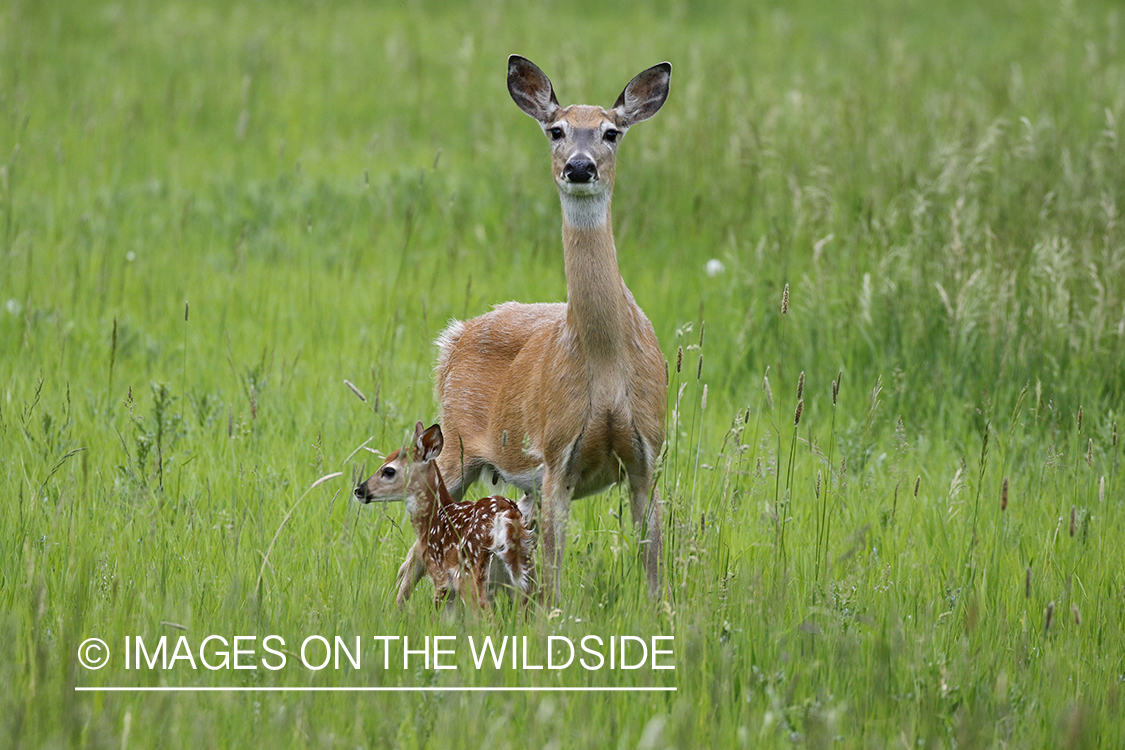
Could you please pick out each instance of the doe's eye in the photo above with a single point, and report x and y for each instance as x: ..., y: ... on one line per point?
x: 388, y: 472
x: 556, y: 133
x: 612, y: 135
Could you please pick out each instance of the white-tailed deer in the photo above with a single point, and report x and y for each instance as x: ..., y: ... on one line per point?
x: 562, y: 400
x: 457, y: 542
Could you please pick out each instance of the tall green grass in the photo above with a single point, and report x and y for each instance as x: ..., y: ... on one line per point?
x: 211, y: 215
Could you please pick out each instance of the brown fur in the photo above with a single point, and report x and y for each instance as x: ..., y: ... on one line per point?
x: 563, y: 399
x: 457, y: 542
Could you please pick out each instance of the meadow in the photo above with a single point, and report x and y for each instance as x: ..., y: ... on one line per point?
x: 212, y: 215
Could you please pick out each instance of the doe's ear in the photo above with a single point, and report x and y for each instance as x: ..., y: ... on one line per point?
x: 645, y: 95
x: 531, y: 89
x: 428, y: 444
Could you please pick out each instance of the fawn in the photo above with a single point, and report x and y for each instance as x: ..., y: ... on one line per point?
x: 458, y: 543
x: 562, y: 400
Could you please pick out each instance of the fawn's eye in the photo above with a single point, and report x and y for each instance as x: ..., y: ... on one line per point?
x: 556, y: 133
x: 612, y: 135
x: 388, y: 472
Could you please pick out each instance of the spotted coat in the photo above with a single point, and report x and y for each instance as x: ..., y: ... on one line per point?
x: 459, y: 544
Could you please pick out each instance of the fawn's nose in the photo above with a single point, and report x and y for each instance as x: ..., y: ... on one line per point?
x: 361, y: 492
x: 580, y: 170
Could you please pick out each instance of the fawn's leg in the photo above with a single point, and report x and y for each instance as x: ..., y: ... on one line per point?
x: 410, y: 572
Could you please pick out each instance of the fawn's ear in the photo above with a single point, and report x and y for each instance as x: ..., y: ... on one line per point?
x: 531, y: 89
x: 645, y: 95
x: 427, y: 445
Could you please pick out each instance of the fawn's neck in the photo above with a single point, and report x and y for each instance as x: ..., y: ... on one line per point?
x: 430, y: 496
x: 597, y: 300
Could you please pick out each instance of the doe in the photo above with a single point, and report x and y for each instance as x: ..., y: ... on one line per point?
x: 563, y: 400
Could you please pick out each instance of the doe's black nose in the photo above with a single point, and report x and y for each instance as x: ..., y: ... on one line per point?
x: 361, y: 491
x: 580, y: 170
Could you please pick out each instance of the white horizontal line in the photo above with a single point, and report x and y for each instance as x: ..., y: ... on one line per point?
x: 360, y: 689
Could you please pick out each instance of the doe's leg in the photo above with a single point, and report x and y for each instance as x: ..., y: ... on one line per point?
x: 552, y: 523
x: 645, y: 505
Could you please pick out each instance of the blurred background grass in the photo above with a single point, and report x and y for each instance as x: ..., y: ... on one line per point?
x: 212, y: 214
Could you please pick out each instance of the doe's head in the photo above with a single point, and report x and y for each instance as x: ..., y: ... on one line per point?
x: 583, y: 137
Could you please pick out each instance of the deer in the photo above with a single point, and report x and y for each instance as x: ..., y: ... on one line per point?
x: 563, y: 400
x: 458, y: 543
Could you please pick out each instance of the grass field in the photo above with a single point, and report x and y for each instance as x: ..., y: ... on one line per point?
x: 212, y: 214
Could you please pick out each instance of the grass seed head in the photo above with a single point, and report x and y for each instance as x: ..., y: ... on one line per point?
x: 767, y: 389
x: 785, y: 301
x: 801, y: 385
x: 917, y: 484
x: 356, y: 391
x: 679, y: 359
x: 1073, y: 513
x: 797, y: 414
x: 1090, y: 452
x: 1101, y: 491
x: 1027, y: 584
x: 1047, y: 617
x: 1079, y: 420
x: 1004, y: 495
x: 836, y: 386
x: 699, y: 371
x: 679, y: 397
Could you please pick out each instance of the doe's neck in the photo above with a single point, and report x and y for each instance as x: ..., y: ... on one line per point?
x: 587, y: 212
x: 597, y: 300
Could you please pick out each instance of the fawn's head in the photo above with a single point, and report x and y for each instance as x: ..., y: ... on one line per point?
x: 583, y: 137
x: 406, y: 472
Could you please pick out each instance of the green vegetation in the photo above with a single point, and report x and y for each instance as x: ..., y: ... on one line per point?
x: 211, y: 215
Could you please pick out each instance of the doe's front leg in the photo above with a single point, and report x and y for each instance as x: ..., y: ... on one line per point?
x: 645, y: 505
x: 552, y: 533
